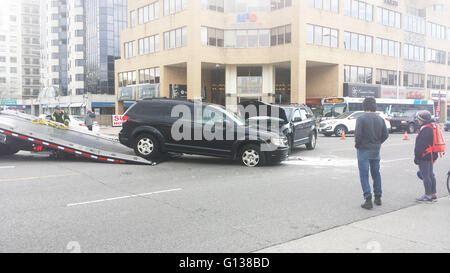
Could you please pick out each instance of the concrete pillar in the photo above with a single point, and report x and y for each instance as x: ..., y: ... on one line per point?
x: 268, y: 83
x: 341, y: 78
x: 298, y: 81
x: 164, y: 83
x: 231, y: 87
x: 194, y: 79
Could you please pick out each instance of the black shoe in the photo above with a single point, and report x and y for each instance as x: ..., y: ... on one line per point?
x: 377, y: 200
x: 368, y: 204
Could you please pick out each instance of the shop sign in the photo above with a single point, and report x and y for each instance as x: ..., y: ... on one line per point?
x: 438, y: 95
x: 117, y: 120
x: 178, y: 91
x: 390, y: 92
x: 8, y: 102
x: 247, y: 17
x: 361, y: 90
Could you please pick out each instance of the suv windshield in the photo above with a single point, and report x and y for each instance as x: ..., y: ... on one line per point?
x: 409, y: 114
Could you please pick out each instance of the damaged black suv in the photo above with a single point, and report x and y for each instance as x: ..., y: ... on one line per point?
x: 152, y: 127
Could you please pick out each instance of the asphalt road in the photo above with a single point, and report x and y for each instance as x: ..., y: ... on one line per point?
x: 194, y: 204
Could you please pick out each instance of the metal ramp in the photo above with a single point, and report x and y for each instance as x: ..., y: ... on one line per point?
x: 87, y: 145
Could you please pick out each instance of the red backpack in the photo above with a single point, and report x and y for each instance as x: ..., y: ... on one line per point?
x: 438, y: 141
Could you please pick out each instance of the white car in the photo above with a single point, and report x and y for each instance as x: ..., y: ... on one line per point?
x: 77, y: 123
x: 346, y: 123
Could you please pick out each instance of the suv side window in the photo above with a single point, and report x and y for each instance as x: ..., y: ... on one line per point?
x: 296, y: 115
x: 303, y: 114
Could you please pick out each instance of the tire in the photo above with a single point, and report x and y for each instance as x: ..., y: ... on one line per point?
x: 6, y: 150
x: 411, y: 128
x: 251, y: 156
x: 147, y: 146
x: 312, y: 142
x: 448, y: 182
x: 291, y: 144
x: 340, y: 130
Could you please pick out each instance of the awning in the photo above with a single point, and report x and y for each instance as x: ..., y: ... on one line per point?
x: 64, y: 105
x: 103, y: 104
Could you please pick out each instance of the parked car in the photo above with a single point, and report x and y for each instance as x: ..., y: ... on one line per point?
x: 148, y: 129
x: 447, y: 126
x: 296, y: 122
x: 76, y: 123
x: 346, y: 123
x: 406, y: 121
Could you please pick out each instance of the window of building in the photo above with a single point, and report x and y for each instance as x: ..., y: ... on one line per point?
x: 149, y: 45
x: 357, y: 74
x: 386, y: 77
x: 323, y: 36
x: 358, y: 42
x: 327, y: 5
x: 132, y: 18
x: 127, y: 78
x: 174, y: 6
x: 175, y: 38
x: 148, y: 13
x: 79, y: 62
x: 414, y: 24
x: 389, y: 18
x: 436, y: 31
x: 436, y: 82
x: 387, y: 47
x: 2, y: 59
x: 435, y: 56
x: 79, y: 77
x: 13, y: 70
x: 413, y: 80
x: 149, y: 76
x: 413, y: 53
x: 130, y: 50
x: 358, y: 9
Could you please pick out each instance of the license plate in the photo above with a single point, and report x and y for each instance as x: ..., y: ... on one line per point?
x: 2, y: 139
x: 394, y: 128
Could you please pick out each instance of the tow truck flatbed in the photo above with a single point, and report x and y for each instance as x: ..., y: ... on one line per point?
x: 18, y: 128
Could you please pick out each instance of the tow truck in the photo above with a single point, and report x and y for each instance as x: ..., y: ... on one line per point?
x: 23, y: 132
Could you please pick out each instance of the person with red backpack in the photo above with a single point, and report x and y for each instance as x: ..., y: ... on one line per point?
x: 429, y: 143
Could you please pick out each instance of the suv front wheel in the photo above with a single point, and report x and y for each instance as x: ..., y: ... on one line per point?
x: 251, y: 156
x: 147, y: 146
x: 312, y: 142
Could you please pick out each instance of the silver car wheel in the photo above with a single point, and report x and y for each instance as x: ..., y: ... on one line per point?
x: 145, y: 146
x: 250, y: 158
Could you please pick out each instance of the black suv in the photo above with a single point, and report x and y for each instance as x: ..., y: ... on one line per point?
x: 296, y: 122
x: 156, y: 126
x: 406, y: 121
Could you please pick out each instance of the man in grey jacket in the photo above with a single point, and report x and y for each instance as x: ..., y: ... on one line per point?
x: 89, y: 120
x: 370, y: 133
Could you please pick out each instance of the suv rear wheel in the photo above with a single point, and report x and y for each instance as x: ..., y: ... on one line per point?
x: 251, y: 156
x: 147, y: 146
x: 312, y: 142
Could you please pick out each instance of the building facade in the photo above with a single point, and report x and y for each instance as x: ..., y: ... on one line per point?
x: 79, y: 50
x: 283, y: 51
x: 19, y: 51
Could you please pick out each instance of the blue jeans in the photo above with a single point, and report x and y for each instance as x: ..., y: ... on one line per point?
x: 369, y: 159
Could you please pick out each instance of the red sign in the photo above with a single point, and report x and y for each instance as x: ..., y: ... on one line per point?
x: 117, y: 120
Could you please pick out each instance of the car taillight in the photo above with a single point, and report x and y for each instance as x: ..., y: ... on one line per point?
x: 81, y: 124
x: 125, y: 119
x: 388, y: 119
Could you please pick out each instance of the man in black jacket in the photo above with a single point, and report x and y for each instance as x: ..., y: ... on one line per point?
x: 423, y: 159
x: 370, y: 133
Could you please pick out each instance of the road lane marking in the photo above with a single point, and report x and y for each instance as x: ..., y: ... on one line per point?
x: 121, y: 197
x: 7, y: 167
x: 34, y: 177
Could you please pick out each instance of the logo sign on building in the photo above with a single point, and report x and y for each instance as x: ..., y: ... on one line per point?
x: 117, y: 120
x: 247, y: 17
x: 361, y: 90
x: 391, y: 2
x: 8, y: 102
x: 390, y: 92
x: 438, y: 95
